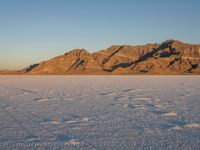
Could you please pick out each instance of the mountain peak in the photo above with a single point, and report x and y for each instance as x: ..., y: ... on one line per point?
x: 172, y: 41
x: 170, y: 57
x: 77, y: 51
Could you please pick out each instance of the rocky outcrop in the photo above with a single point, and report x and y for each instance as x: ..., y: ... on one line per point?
x: 169, y: 57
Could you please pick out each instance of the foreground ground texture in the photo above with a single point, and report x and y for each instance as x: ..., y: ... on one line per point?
x: 100, y: 112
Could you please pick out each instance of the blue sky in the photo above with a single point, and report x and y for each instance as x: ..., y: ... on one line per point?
x: 34, y: 30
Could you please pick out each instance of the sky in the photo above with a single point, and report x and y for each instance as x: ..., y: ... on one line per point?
x: 35, y: 30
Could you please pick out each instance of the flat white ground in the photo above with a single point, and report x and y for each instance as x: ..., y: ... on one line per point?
x: 100, y: 112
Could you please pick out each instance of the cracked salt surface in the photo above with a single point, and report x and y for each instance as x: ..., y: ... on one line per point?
x: 100, y: 112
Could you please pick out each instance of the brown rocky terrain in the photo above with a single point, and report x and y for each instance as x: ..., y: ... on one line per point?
x: 169, y: 57
x: 10, y: 72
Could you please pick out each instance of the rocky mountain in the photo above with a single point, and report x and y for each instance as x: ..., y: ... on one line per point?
x: 169, y: 57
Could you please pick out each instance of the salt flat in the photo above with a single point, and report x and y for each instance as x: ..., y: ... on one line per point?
x: 100, y: 112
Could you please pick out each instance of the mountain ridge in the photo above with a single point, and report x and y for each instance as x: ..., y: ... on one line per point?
x: 168, y: 57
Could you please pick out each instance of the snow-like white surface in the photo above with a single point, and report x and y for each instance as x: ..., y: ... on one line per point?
x: 100, y: 112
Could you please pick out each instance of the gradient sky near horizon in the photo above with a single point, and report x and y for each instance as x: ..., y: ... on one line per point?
x: 35, y: 30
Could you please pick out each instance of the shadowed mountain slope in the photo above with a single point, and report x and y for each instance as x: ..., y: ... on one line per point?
x: 169, y: 57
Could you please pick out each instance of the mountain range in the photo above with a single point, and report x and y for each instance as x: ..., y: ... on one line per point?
x: 169, y: 57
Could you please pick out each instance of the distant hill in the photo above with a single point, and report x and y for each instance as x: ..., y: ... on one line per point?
x: 169, y: 57
x: 10, y: 72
